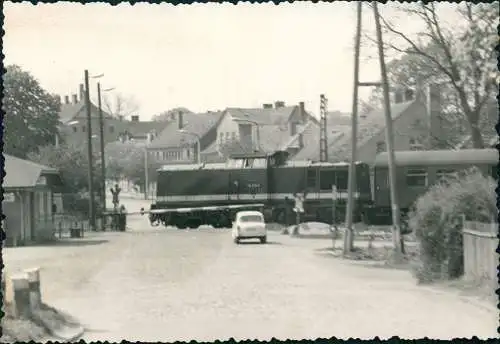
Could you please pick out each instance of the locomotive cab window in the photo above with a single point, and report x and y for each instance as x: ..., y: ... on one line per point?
x: 416, y: 177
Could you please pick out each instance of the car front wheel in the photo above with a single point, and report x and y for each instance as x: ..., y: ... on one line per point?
x: 236, y: 240
x: 263, y: 240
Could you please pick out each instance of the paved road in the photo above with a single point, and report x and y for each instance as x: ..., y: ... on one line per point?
x: 152, y: 284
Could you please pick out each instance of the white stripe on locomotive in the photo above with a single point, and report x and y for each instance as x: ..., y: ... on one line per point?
x: 246, y: 197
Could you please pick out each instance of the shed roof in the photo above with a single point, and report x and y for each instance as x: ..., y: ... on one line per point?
x: 20, y: 173
x: 263, y: 115
x: 440, y: 157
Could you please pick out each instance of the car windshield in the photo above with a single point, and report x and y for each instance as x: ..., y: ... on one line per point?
x: 251, y: 218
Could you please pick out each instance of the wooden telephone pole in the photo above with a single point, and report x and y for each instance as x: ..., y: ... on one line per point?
x: 323, y: 130
x: 349, y: 237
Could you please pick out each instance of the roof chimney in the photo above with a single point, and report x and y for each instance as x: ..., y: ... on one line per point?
x: 135, y: 118
x: 66, y: 99
x: 434, y: 114
x: 75, y: 99
x: 60, y: 99
x: 279, y: 104
x: 268, y: 106
x: 180, y: 120
x: 302, y: 111
x: 82, y: 92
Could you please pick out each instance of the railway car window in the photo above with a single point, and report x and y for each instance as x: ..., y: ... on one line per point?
x: 494, y: 172
x: 259, y: 163
x: 342, y: 180
x: 416, y: 177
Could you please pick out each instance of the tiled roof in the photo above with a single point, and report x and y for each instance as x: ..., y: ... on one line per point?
x: 195, y: 123
x: 368, y: 126
x: 262, y: 115
x: 310, y: 139
x: 142, y: 128
x: 69, y: 111
x: 339, y: 136
x: 23, y: 173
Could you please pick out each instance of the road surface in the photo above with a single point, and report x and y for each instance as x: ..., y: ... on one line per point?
x: 152, y: 284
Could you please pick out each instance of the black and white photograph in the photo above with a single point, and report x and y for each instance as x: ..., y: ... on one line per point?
x: 208, y: 171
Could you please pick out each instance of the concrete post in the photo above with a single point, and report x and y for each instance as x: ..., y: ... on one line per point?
x: 34, y: 287
x: 18, y: 296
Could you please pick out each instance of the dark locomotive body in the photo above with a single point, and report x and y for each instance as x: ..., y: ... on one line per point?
x: 194, y: 195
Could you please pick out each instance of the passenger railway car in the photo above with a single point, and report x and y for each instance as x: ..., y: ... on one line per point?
x: 416, y: 171
x: 192, y: 195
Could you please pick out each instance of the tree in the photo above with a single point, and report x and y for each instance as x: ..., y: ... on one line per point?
x: 72, y: 162
x: 125, y: 160
x: 462, y: 57
x: 120, y: 107
x: 31, y: 113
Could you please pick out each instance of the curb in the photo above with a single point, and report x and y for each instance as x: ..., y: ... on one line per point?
x: 67, y: 336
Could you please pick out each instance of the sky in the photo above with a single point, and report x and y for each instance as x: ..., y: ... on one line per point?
x: 199, y: 56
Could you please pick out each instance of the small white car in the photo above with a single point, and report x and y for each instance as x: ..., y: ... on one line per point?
x: 249, y: 225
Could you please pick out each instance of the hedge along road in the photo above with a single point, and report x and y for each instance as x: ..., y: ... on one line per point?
x: 167, y: 285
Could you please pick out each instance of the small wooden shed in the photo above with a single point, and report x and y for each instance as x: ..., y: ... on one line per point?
x: 28, y: 200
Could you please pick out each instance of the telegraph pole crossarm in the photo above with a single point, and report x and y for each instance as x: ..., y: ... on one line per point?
x: 369, y: 84
x: 396, y: 234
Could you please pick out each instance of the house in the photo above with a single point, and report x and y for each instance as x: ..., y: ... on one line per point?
x: 178, y: 142
x: 266, y: 129
x: 415, y: 116
x: 30, y: 191
x: 73, y: 123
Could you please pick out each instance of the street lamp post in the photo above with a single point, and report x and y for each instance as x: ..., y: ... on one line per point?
x: 101, y: 134
x: 198, y: 145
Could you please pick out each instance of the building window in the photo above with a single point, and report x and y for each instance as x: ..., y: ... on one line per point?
x: 416, y: 177
x: 228, y: 136
x: 165, y: 156
x: 75, y: 129
x: 380, y: 146
x: 111, y: 129
x: 233, y: 136
x: 84, y: 128
x: 188, y: 153
x: 221, y: 137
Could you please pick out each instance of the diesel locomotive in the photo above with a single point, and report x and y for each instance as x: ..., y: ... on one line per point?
x: 210, y: 194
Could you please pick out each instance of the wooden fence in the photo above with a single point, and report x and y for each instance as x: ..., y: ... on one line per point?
x: 480, y: 243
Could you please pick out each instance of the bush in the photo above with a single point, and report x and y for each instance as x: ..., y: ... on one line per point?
x: 437, y: 221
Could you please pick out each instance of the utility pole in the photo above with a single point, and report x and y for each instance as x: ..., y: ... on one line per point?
x: 349, y: 235
x: 396, y: 229
x: 89, y: 151
x: 103, y: 163
x: 323, y: 138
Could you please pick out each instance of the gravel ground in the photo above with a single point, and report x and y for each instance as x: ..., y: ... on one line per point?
x: 152, y: 284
